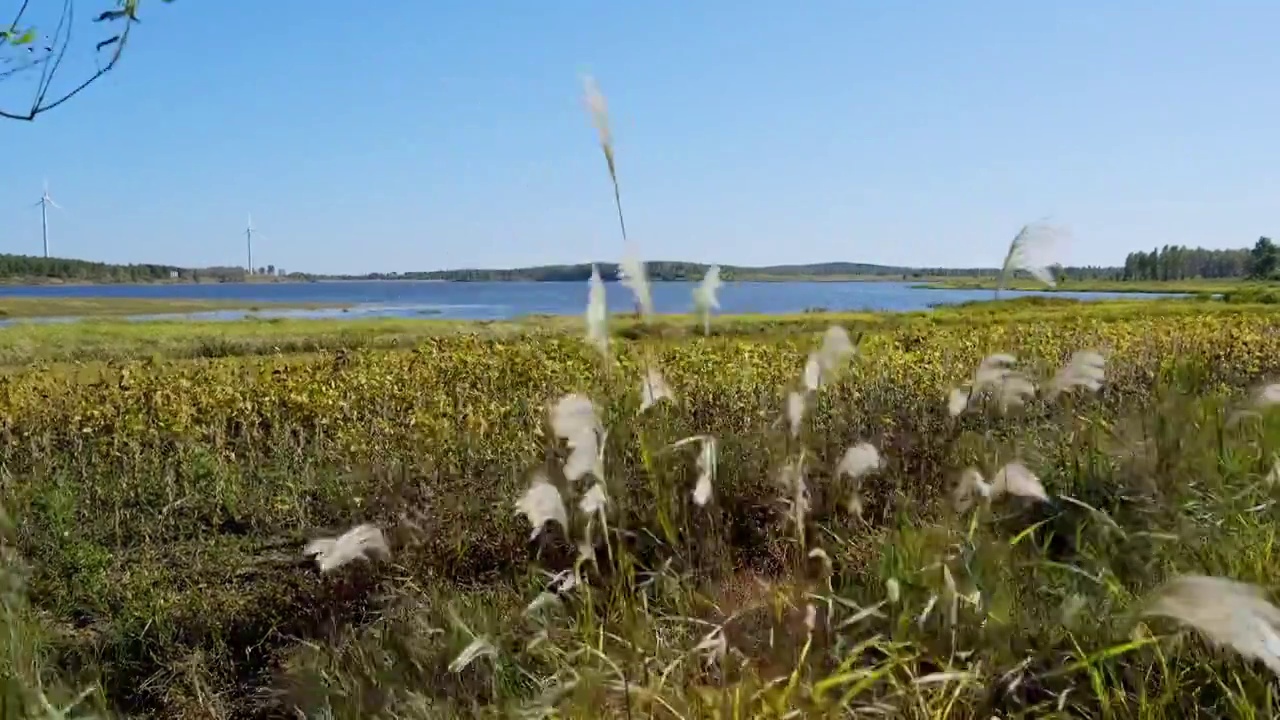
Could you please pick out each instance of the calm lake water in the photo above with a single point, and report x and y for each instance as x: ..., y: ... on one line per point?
x: 497, y: 301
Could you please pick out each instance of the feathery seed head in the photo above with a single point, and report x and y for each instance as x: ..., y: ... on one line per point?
x: 575, y: 420
x: 836, y: 348
x: 713, y: 646
x: 706, y: 471
x: 996, y: 378
x: 704, y: 297
x: 1014, y: 391
x: 994, y: 369
x: 478, y: 648
x: 859, y: 460
x: 359, y: 543
x: 599, y: 109
x: 1086, y: 369
x: 812, y: 373
x: 970, y: 488
x: 892, y: 591
x: 653, y: 388
x: 597, y: 312
x: 822, y: 556
x: 795, y: 411
x: 594, y: 500
x: 636, y: 279
x: 1015, y: 479
x: 1229, y: 613
x: 541, y: 504
x: 1029, y: 252
x: 600, y: 117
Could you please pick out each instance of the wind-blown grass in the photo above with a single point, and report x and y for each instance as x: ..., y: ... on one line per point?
x: 751, y: 519
x: 163, y: 514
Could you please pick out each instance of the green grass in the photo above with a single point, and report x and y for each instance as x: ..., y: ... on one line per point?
x: 101, y: 340
x: 159, y: 512
x: 33, y: 307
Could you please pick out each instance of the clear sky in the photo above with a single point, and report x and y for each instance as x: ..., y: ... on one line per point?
x: 412, y: 135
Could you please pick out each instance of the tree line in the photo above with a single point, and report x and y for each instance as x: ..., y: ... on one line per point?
x: 1171, y: 262
x: 1178, y: 262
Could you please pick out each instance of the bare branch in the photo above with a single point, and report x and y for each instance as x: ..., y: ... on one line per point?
x: 60, y: 47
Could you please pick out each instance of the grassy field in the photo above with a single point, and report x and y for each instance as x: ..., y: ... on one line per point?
x: 157, y: 511
x: 102, y: 340
x: 32, y: 307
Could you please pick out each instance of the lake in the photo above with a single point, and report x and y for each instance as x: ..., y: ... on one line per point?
x: 504, y: 300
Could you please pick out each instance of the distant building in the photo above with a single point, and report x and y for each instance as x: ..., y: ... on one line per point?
x: 173, y: 274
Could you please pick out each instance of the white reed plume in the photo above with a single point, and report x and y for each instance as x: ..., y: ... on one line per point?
x: 542, y: 504
x: 1015, y: 479
x: 795, y: 411
x: 479, y: 647
x: 599, y: 110
x: 706, y: 472
x: 635, y: 278
x: 359, y: 543
x: 812, y: 373
x: 892, y: 591
x: 597, y: 313
x: 996, y: 378
x: 653, y: 388
x: 1229, y: 613
x: 993, y: 370
x: 791, y: 478
x: 859, y: 461
x: 713, y: 646
x: 822, y: 557
x: 593, y: 501
x: 1029, y: 253
x: 1267, y: 395
x: 704, y: 297
x: 950, y: 594
x: 706, y: 466
x: 822, y: 365
x: 1086, y: 369
x: 971, y: 487
x: 1273, y: 477
x: 575, y: 420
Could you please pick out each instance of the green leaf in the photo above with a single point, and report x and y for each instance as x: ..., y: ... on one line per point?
x: 26, y: 38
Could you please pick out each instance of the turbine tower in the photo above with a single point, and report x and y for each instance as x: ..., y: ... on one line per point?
x: 44, y: 203
x: 248, y: 238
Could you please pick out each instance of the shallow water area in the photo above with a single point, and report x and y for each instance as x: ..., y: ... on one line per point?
x: 504, y: 301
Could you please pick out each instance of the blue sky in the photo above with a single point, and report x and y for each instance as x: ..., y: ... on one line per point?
x: 426, y: 135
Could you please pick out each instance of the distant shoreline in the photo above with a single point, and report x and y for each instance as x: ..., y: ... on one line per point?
x: 13, y: 307
x: 1216, y: 286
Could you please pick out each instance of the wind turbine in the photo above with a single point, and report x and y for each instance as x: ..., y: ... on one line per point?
x: 248, y: 239
x: 44, y: 203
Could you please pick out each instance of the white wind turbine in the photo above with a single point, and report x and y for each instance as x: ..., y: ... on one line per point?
x: 44, y: 203
x: 248, y: 238
x: 249, y: 234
